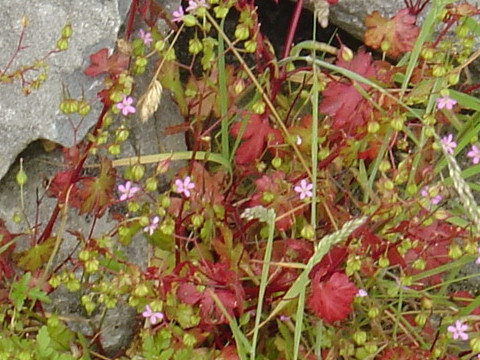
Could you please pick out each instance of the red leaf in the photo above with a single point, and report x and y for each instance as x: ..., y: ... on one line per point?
x: 343, y: 102
x: 399, y: 33
x: 331, y: 300
x: 95, y: 194
x: 256, y: 135
x: 188, y: 294
x: 101, y: 63
x: 6, y: 266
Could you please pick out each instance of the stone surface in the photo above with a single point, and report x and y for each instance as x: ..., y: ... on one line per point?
x: 95, y: 25
x: 350, y: 14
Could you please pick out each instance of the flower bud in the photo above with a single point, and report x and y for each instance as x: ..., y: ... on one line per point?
x: 421, y: 319
x: 151, y: 184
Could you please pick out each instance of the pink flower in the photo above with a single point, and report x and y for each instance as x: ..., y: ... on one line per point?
x: 304, y: 190
x: 152, y: 316
x: 284, y: 318
x: 474, y: 153
x: 361, y: 293
x: 127, y: 191
x: 435, y: 200
x: 126, y: 106
x: 445, y: 102
x: 194, y: 4
x: 150, y: 228
x: 458, y: 331
x: 448, y: 144
x: 184, y: 186
x: 178, y: 14
x: 145, y: 36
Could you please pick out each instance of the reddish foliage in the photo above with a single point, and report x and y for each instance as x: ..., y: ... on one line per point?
x: 6, y: 266
x: 331, y: 300
x: 101, y: 63
x: 348, y: 108
x: 433, y: 243
x: 224, y: 283
x: 400, y: 32
x: 95, y: 194
x: 463, y: 294
x: 258, y: 133
x: 404, y: 353
x: 281, y: 190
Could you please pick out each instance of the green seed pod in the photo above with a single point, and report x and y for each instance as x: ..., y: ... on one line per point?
x: 373, y: 127
x: 67, y: 31
x: 197, y: 220
x: 308, y: 232
x: 454, y: 251
x: 151, y: 184
x: 138, y: 171
x: 427, y: 53
x: 439, y: 71
x: 83, y: 108
x: 385, y: 45
x: 21, y: 177
x: 276, y: 162
x: 62, y: 44
x: 360, y: 337
x: 114, y: 149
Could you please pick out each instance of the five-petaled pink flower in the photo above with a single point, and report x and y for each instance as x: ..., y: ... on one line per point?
x: 448, y: 144
x: 194, y: 4
x: 153, y: 317
x: 126, y: 105
x: 458, y: 331
x: 127, y: 190
x: 184, y: 186
x: 152, y: 226
x: 178, y: 14
x: 146, y: 36
x: 474, y: 153
x: 304, y: 189
x: 445, y: 102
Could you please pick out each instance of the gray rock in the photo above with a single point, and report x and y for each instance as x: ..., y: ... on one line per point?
x: 95, y: 25
x: 350, y: 14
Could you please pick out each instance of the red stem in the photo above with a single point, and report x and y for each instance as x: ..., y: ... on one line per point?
x: 48, y: 229
x: 131, y: 18
x: 292, y: 27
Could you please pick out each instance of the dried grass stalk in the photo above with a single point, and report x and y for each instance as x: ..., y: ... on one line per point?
x: 149, y: 101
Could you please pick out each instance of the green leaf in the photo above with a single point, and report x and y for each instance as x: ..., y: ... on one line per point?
x: 35, y: 257
x: 18, y: 294
x: 43, y: 343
